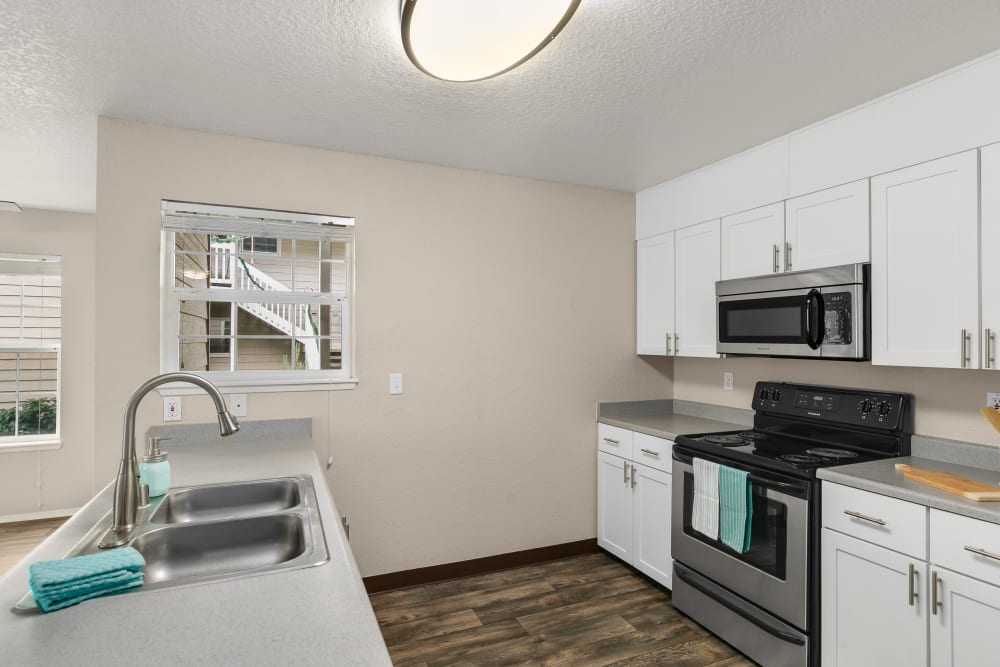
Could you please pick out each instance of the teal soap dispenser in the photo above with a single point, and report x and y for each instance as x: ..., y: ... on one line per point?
x: 155, y: 468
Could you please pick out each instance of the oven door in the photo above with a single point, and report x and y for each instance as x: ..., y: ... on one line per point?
x: 773, y: 572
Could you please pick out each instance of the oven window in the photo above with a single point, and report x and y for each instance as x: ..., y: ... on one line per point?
x: 768, y: 531
x: 765, y: 320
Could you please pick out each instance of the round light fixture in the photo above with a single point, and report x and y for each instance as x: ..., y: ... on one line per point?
x: 472, y: 40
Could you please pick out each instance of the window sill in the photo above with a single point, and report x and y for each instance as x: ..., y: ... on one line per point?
x: 30, y: 446
x: 236, y: 385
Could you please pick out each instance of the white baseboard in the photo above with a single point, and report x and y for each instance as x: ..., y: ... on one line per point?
x: 34, y: 516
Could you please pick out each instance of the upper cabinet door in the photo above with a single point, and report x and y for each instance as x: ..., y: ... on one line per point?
x: 654, y: 294
x: 697, y: 270
x: 925, y: 269
x: 827, y: 228
x: 753, y: 242
x: 990, y: 247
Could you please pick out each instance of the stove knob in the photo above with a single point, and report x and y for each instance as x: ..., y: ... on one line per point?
x: 765, y: 393
x: 775, y: 395
x: 884, y: 408
x: 865, y: 406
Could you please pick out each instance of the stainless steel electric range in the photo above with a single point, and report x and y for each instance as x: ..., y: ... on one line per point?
x: 765, y: 601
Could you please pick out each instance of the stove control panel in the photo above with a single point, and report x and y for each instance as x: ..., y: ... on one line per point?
x: 859, y: 407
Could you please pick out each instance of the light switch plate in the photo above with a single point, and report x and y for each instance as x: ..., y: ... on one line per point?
x: 993, y: 399
x: 727, y: 380
x: 238, y: 405
x: 395, y: 383
x: 172, y: 409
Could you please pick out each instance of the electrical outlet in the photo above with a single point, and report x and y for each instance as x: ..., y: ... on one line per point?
x: 727, y: 380
x: 172, y: 409
x: 238, y: 405
x: 395, y: 383
x: 993, y: 399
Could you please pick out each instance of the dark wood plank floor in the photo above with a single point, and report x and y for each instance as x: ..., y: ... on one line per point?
x: 18, y: 539
x: 588, y: 610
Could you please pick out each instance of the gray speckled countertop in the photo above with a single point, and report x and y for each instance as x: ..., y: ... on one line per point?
x: 882, y: 477
x: 313, y: 616
x: 670, y: 418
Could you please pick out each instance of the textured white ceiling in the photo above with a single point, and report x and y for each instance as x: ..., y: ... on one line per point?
x: 631, y: 93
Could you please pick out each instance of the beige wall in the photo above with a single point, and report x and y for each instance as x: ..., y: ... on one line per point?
x: 947, y: 401
x: 46, y: 481
x: 507, y: 303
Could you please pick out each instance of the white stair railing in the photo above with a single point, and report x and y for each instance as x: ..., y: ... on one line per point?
x: 291, y: 319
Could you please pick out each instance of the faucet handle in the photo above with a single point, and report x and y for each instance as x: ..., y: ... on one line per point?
x: 143, y: 495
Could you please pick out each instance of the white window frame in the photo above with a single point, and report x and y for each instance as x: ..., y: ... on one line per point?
x: 174, y: 215
x: 22, y: 443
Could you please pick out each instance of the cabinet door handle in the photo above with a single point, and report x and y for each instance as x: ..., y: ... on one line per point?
x: 858, y: 515
x: 777, y: 252
x: 668, y: 343
x: 935, y: 603
x: 983, y: 552
x: 625, y: 470
x: 912, y: 593
x: 633, y: 477
x: 965, y: 348
x: 650, y: 452
x: 677, y: 344
x: 788, y: 256
x: 611, y: 441
x: 988, y: 348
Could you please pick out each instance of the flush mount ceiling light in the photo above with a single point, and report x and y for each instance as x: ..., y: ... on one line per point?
x: 466, y: 40
x: 11, y: 206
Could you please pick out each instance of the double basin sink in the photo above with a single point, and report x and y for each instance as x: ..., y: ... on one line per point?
x: 200, y: 534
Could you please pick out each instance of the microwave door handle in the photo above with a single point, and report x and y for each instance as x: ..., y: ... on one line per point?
x: 814, y: 304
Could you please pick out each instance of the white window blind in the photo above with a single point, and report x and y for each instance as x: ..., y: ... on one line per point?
x: 229, y: 308
x: 30, y: 346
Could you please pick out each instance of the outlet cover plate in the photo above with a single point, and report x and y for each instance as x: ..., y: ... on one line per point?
x: 238, y: 405
x: 395, y: 383
x: 727, y: 380
x: 172, y: 409
x: 993, y: 399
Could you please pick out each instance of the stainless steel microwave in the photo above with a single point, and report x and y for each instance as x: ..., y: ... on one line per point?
x: 821, y: 313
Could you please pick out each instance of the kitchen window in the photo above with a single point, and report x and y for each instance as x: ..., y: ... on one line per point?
x: 257, y: 299
x: 30, y: 346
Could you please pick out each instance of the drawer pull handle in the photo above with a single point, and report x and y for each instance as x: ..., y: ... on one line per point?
x: 858, y: 515
x: 650, y: 452
x: 982, y: 552
x: 611, y: 441
x: 913, y: 587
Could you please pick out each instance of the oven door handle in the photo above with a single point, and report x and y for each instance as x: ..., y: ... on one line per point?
x: 761, y: 623
x: 766, y: 483
x: 814, y: 333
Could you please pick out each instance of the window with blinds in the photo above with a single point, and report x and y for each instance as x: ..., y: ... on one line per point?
x: 30, y: 344
x: 261, y: 293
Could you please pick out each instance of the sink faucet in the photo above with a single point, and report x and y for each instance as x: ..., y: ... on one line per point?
x: 126, y: 503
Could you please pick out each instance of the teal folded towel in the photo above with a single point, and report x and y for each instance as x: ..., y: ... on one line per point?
x: 735, y: 508
x: 62, y: 583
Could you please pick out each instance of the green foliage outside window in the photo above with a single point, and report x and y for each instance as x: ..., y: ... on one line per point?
x: 38, y: 415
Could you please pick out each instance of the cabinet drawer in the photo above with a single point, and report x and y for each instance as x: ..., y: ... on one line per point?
x: 652, y: 451
x: 954, y: 537
x: 614, y: 440
x: 888, y: 522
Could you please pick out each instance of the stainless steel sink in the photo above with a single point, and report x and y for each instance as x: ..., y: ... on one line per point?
x: 204, y: 503
x: 201, y: 534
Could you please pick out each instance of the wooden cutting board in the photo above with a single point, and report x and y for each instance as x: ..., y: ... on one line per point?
x: 946, y: 481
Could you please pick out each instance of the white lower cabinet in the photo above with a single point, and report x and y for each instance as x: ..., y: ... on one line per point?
x: 883, y: 607
x: 868, y: 615
x: 633, y: 509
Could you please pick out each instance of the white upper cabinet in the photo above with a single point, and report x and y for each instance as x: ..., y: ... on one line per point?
x: 753, y: 242
x: 654, y: 294
x: 925, y: 269
x: 697, y: 270
x: 827, y: 228
x: 990, y: 249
